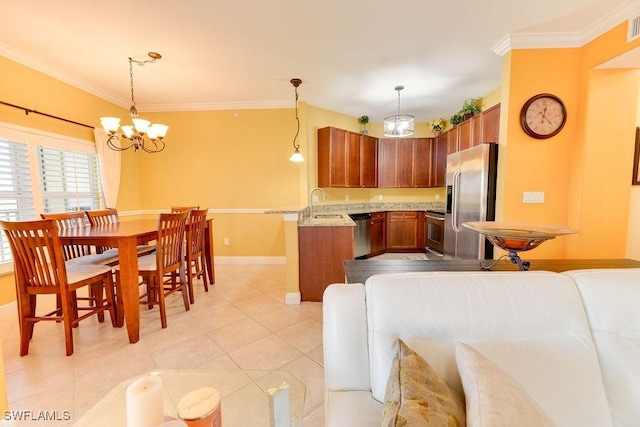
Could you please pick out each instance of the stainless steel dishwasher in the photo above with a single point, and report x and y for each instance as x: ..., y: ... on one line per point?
x: 362, y: 234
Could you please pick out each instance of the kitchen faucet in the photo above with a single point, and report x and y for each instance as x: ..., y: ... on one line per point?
x: 324, y: 197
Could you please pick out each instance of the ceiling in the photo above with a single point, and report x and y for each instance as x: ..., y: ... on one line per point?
x: 350, y: 54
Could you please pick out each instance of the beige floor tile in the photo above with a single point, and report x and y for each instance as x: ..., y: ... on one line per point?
x: 305, y: 335
x: 241, y: 323
x: 238, y: 334
x: 187, y: 354
x: 270, y: 352
x: 56, y: 402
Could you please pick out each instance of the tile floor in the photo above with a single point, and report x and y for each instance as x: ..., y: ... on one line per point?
x: 241, y: 323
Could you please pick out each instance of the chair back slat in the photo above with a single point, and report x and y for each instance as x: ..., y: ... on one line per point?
x: 195, y: 232
x: 176, y: 209
x: 37, y: 252
x: 68, y: 221
x: 103, y: 217
x: 171, y: 235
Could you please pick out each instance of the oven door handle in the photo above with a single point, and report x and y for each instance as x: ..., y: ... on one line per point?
x: 437, y: 218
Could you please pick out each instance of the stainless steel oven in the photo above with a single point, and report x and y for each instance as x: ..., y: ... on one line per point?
x: 434, y: 231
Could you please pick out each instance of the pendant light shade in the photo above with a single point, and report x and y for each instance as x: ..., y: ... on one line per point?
x: 399, y: 124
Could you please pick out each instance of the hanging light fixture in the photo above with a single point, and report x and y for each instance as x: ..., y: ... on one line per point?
x: 399, y: 124
x: 296, y: 156
x: 135, y: 134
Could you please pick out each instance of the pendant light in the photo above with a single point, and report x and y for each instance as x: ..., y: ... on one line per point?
x: 399, y: 124
x: 296, y: 156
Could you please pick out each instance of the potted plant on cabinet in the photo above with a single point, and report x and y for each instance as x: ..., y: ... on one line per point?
x: 456, y: 119
x: 470, y: 108
x: 436, y: 126
x: 363, y: 120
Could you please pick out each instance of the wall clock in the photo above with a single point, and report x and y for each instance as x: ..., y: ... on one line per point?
x: 543, y: 116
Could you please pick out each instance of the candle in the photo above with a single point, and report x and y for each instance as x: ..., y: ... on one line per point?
x: 201, y: 408
x: 144, y: 402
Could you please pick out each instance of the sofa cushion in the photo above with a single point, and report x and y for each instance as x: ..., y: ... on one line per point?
x: 417, y: 396
x: 492, y: 397
x: 530, y: 323
x: 612, y: 301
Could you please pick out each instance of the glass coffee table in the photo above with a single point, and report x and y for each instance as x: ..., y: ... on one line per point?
x: 245, y: 398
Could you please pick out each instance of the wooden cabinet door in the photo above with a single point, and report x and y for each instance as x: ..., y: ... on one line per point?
x: 439, y: 161
x: 368, y: 161
x: 378, y: 233
x: 491, y: 124
x: 402, y: 231
x: 476, y: 130
x: 422, y: 162
x: 404, y: 162
x: 452, y: 140
x: 387, y: 163
x: 352, y: 172
x: 464, y: 135
x: 332, y: 157
x: 322, y: 254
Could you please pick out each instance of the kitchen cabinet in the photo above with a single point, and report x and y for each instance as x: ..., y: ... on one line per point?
x: 346, y: 159
x: 378, y: 233
x: 438, y: 161
x: 405, y: 231
x: 322, y: 251
x: 491, y: 124
x: 404, y: 162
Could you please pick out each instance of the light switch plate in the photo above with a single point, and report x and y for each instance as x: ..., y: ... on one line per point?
x: 533, y: 197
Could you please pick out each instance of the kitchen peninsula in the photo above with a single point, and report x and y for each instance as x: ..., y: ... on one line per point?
x: 326, y: 239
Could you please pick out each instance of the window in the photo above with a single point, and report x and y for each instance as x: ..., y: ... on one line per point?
x: 43, y: 172
x: 70, y: 180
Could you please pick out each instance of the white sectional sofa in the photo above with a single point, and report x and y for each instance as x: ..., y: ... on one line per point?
x: 571, y: 340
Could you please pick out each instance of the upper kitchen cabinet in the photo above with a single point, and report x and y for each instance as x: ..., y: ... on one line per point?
x: 438, y: 160
x: 491, y: 124
x: 346, y: 159
x: 404, y: 162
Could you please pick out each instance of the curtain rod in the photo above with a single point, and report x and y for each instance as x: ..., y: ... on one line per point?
x: 28, y: 110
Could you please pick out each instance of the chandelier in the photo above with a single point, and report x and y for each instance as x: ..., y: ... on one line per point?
x: 296, y: 156
x: 135, y: 134
x: 399, y: 124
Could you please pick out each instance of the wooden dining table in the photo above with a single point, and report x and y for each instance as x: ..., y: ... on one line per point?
x: 126, y: 236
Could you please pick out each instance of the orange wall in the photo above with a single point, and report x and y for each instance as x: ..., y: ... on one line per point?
x: 584, y: 171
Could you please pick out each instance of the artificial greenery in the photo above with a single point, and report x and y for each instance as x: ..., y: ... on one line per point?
x: 363, y: 120
x: 471, y: 106
x: 456, y: 119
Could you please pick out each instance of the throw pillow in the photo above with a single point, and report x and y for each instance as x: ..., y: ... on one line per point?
x: 417, y: 396
x: 493, y: 397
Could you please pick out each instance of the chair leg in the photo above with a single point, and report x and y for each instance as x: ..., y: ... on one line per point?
x: 185, y: 295
x: 202, y: 266
x: 119, y: 304
x: 97, y: 299
x: 111, y: 301
x: 68, y: 321
x: 190, y: 282
x: 26, y: 327
x: 160, y: 293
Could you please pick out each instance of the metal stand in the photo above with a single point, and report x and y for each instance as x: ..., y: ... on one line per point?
x: 514, y: 258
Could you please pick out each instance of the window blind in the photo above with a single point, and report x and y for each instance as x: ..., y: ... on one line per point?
x: 70, y: 180
x: 16, y: 192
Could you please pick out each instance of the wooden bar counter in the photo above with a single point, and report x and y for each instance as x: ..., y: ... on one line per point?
x: 358, y: 271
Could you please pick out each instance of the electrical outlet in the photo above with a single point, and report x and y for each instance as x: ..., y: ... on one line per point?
x: 437, y: 196
x: 380, y: 197
x: 316, y: 198
x: 346, y: 198
x: 226, y: 241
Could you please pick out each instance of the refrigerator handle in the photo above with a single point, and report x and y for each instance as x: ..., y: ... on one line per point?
x: 455, y: 199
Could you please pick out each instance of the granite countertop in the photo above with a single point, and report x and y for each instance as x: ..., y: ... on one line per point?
x: 344, y: 209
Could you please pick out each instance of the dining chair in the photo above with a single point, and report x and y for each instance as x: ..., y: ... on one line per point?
x: 167, y: 260
x: 109, y: 216
x: 40, y: 269
x: 74, y: 253
x: 175, y: 209
x: 195, y: 264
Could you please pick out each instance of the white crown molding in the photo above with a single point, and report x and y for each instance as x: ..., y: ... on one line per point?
x: 250, y: 105
x: 568, y: 39
x: 35, y: 64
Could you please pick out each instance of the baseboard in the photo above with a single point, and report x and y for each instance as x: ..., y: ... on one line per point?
x: 249, y: 259
x: 292, y: 298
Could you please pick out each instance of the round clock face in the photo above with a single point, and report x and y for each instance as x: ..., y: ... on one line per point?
x: 543, y: 116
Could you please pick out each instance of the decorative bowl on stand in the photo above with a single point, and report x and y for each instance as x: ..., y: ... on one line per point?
x: 516, y: 237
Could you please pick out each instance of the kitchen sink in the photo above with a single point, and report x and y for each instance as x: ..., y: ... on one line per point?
x: 328, y: 216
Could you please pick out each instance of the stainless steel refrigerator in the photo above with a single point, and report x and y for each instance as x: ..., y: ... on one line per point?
x: 471, y: 196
